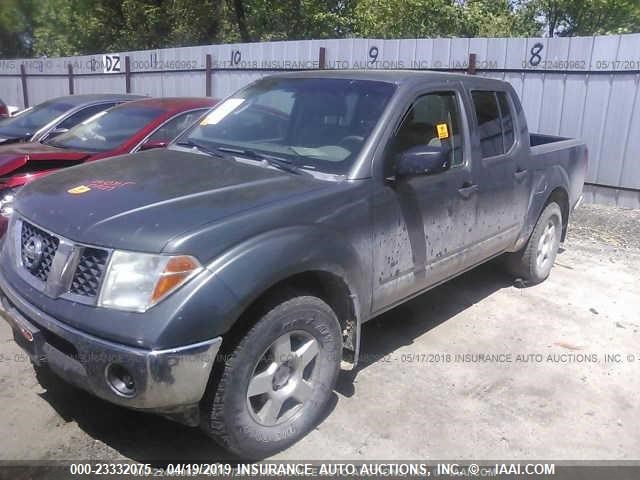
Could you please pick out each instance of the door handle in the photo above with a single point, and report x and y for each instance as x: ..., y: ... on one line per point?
x: 520, y: 174
x: 467, y: 190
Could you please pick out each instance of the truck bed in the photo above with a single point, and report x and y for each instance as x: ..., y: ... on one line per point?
x: 559, y: 156
x: 536, y: 139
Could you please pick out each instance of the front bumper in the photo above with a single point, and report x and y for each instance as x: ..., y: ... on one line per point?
x: 166, y: 381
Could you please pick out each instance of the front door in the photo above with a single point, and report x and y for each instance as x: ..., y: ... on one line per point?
x: 424, y: 223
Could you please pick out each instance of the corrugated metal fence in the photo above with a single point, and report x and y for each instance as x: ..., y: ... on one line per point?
x: 584, y: 87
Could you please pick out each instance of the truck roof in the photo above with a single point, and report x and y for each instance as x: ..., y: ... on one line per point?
x: 391, y: 76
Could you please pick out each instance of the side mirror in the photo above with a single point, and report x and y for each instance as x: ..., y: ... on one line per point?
x: 423, y: 160
x: 151, y: 144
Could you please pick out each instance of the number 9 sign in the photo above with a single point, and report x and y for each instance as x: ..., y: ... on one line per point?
x: 373, y: 55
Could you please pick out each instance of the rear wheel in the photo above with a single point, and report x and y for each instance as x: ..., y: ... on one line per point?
x: 534, y: 262
x: 277, y: 380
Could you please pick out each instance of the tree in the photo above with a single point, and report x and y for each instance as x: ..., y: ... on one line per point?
x: 585, y: 17
x: 74, y: 27
x: 241, y: 20
x: 16, y: 28
x: 441, y: 18
x: 294, y: 19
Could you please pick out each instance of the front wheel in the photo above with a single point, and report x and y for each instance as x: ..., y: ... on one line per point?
x: 533, y: 263
x: 277, y: 380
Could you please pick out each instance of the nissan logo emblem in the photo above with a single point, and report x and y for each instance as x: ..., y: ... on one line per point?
x: 32, y: 253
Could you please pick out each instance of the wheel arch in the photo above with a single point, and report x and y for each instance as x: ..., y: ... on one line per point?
x: 326, y: 285
x: 260, y: 270
x: 560, y: 196
x: 548, y: 186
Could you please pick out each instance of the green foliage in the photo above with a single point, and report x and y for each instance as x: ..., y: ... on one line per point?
x: 297, y: 19
x: 586, y: 17
x: 440, y: 18
x: 15, y: 27
x: 71, y: 27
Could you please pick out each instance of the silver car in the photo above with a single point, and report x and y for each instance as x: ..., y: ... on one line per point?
x: 57, y: 116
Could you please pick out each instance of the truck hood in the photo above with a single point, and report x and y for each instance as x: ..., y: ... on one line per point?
x: 141, y: 201
x: 14, y: 156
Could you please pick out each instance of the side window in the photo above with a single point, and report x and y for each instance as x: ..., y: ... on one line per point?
x: 176, y: 126
x: 507, y: 120
x: 489, y: 129
x: 433, y: 120
x: 495, y: 122
x: 84, y: 114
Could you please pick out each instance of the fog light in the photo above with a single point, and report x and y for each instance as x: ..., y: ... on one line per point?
x: 120, y: 380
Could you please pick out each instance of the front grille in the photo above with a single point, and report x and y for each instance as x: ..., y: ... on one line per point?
x: 37, y: 250
x: 49, y: 246
x: 89, y: 272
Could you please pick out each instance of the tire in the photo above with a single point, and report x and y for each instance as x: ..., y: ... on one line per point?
x: 277, y: 381
x: 534, y: 261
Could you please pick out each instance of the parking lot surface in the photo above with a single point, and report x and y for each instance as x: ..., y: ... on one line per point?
x: 479, y: 368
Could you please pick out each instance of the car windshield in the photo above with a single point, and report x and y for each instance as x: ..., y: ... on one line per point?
x: 30, y: 121
x: 317, y: 123
x: 107, y: 130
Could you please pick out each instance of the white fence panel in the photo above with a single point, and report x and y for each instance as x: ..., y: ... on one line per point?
x: 583, y: 87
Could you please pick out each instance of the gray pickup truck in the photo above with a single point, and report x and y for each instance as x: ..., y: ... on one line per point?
x: 224, y: 282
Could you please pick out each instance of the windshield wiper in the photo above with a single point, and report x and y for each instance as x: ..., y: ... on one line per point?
x: 272, y: 160
x: 214, y: 152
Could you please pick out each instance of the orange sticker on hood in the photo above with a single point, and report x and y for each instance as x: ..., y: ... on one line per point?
x: 104, y: 185
x: 78, y: 190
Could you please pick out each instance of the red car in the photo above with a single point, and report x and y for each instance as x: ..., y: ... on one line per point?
x: 4, y: 111
x: 126, y: 128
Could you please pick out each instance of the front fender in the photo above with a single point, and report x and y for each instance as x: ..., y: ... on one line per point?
x: 252, y: 267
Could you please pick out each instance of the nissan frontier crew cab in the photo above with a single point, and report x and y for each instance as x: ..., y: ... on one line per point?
x: 224, y: 281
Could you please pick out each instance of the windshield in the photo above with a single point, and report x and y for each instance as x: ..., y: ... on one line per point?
x: 317, y: 123
x: 33, y: 120
x: 107, y: 130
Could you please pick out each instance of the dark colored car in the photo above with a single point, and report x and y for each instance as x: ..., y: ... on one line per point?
x: 126, y: 128
x: 53, y: 117
x: 224, y: 281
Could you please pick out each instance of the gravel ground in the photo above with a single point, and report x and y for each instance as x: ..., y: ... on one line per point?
x: 600, y: 225
x: 561, y: 400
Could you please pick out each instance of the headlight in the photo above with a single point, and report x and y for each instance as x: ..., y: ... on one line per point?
x: 6, y: 201
x: 137, y: 281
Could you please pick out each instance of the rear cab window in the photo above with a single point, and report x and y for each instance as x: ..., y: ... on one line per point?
x: 494, y: 122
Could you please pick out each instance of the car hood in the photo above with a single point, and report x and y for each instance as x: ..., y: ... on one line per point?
x: 8, y: 135
x: 143, y: 200
x: 17, y: 155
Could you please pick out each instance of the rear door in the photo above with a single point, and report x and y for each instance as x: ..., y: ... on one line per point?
x: 499, y: 170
